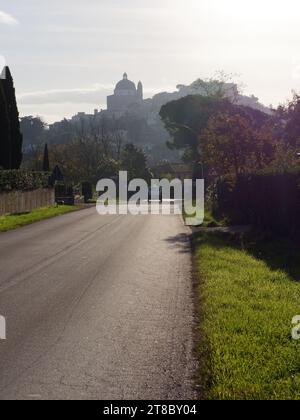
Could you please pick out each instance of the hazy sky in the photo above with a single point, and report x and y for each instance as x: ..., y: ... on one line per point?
x: 67, y: 55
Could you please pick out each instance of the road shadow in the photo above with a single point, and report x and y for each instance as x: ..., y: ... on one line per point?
x: 278, y: 253
x: 181, y: 242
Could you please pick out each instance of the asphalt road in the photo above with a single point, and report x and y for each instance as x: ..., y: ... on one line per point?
x: 97, y: 307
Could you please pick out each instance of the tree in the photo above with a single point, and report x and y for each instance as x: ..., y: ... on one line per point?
x: 186, y: 118
x: 33, y: 130
x: 221, y: 86
x: 5, y: 137
x: 46, y: 164
x: 134, y: 162
x: 235, y: 143
x: 83, y: 160
x: 13, y: 115
x: 218, y: 135
x: 287, y: 120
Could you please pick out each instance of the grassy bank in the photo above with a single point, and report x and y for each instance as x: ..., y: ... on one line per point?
x: 11, y: 222
x: 209, y: 219
x: 248, y: 295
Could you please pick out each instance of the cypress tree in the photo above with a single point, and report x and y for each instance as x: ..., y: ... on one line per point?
x: 5, y: 137
x: 13, y: 115
x: 46, y: 164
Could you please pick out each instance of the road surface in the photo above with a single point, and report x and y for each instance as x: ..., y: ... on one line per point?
x: 97, y: 307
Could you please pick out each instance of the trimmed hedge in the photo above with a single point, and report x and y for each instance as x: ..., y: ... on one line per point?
x: 268, y: 202
x: 23, y: 180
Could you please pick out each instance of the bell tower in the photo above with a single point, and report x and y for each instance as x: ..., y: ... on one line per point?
x: 140, y: 90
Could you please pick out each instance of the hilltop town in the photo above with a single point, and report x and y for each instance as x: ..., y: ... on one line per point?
x: 136, y: 118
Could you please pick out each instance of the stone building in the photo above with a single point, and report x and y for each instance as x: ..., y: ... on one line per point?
x: 126, y: 97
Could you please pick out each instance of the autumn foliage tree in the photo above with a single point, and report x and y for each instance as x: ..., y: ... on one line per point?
x: 227, y: 139
x: 233, y: 144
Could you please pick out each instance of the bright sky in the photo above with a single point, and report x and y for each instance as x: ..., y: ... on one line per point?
x: 67, y: 55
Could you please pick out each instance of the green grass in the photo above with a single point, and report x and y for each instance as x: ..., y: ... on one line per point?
x: 211, y: 221
x: 247, y: 299
x: 14, y: 221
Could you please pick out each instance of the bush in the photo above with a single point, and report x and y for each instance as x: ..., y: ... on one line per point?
x: 23, y: 180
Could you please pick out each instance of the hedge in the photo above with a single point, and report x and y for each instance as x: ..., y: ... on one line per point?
x: 268, y: 202
x: 23, y: 180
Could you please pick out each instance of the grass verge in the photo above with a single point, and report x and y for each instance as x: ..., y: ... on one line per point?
x: 248, y: 294
x: 209, y: 219
x: 14, y: 221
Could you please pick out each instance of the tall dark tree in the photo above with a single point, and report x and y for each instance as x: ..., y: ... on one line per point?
x: 5, y: 138
x: 13, y: 115
x: 186, y: 118
x: 46, y: 164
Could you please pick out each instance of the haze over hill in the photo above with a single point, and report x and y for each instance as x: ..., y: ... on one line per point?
x: 58, y: 51
x: 151, y: 105
x: 136, y: 118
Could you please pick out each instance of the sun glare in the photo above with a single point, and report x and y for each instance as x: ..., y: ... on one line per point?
x: 266, y: 10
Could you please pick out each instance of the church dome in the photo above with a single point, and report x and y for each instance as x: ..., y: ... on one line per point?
x: 125, y: 84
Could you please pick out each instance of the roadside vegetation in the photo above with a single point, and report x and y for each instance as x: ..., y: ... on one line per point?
x: 14, y: 221
x: 211, y: 221
x: 249, y: 288
x: 248, y: 292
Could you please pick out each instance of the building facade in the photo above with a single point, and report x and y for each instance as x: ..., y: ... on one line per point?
x: 126, y: 97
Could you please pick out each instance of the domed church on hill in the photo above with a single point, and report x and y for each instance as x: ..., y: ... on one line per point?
x: 125, y: 96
